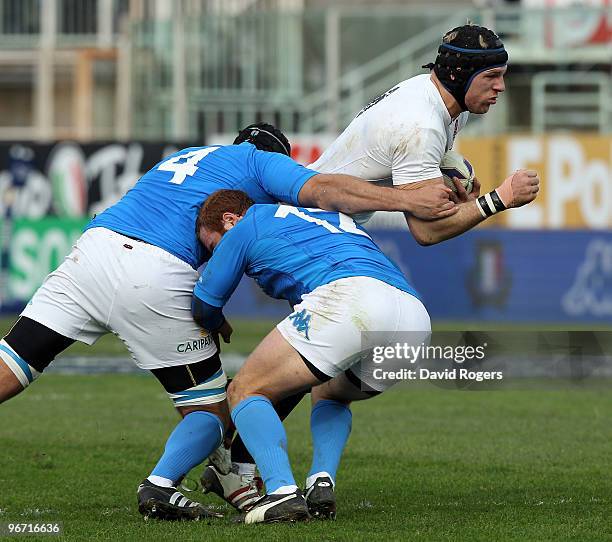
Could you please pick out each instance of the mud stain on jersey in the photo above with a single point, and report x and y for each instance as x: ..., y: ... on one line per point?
x: 348, y: 146
x: 409, y: 142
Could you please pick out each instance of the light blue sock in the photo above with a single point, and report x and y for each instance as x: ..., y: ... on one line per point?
x: 264, y: 436
x: 195, y: 437
x: 330, y: 425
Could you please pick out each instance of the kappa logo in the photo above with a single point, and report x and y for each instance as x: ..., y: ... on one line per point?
x: 301, y: 322
x: 591, y: 292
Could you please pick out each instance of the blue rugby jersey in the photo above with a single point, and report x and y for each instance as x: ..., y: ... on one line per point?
x: 162, y: 207
x: 289, y: 251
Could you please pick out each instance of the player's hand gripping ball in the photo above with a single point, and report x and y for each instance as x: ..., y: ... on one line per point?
x: 455, y: 165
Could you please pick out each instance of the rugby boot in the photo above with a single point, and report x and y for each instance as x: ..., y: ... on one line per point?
x: 241, y: 491
x: 169, y: 504
x: 321, y: 498
x: 275, y: 508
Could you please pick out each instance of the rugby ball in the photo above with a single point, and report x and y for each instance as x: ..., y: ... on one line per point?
x: 455, y: 165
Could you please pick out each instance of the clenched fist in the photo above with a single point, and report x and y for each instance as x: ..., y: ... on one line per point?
x: 431, y: 200
x: 520, y: 188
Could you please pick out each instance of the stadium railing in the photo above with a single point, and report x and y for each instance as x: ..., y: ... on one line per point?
x: 329, y: 44
x: 207, y: 67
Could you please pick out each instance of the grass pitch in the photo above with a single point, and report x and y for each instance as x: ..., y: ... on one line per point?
x: 421, y: 464
x: 248, y: 333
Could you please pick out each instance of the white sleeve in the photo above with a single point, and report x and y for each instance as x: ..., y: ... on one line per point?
x: 419, y: 159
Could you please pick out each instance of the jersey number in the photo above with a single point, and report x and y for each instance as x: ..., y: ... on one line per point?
x: 346, y: 223
x: 185, y: 165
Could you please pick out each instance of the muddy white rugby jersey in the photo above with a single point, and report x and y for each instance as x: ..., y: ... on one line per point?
x: 398, y: 138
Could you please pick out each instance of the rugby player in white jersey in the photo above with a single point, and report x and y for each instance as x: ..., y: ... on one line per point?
x: 398, y: 140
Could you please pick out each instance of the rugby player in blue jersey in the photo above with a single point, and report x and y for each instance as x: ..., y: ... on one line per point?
x: 132, y: 273
x: 342, y: 288
x: 398, y: 140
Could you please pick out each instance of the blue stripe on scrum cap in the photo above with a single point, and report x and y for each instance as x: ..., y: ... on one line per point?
x: 477, y: 51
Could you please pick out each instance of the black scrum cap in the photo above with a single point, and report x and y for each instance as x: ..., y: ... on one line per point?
x: 265, y: 137
x: 465, y: 52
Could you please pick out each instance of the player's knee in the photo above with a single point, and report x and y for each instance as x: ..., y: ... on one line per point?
x: 240, y: 389
x: 20, y: 368
x: 235, y: 392
x: 219, y: 409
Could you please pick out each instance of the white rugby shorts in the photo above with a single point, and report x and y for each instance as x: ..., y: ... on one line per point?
x: 140, y: 292
x: 336, y: 325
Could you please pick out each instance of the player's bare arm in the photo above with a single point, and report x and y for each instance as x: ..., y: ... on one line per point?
x: 350, y: 195
x: 517, y: 190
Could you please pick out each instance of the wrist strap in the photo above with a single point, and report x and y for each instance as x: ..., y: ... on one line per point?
x: 489, y: 204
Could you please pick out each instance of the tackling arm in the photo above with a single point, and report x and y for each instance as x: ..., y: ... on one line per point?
x: 289, y: 182
x: 220, y: 278
x: 517, y: 190
x: 351, y: 195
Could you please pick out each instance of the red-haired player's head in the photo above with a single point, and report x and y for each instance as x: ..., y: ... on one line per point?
x: 220, y: 213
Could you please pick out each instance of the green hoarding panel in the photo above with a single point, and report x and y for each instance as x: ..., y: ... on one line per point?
x: 37, y: 247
